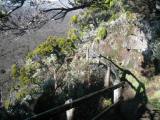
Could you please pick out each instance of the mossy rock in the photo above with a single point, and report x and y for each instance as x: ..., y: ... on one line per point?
x: 102, y: 33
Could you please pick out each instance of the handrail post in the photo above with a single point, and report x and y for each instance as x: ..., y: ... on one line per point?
x: 117, y: 95
x: 107, y: 77
x: 70, y: 112
x: 117, y: 92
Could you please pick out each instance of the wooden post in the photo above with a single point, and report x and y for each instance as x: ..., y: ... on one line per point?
x: 107, y: 76
x: 117, y: 92
x: 70, y: 112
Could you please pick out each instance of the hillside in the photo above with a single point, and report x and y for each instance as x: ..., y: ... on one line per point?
x: 125, y: 34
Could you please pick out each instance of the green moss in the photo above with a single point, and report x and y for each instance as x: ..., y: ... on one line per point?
x: 129, y: 16
x: 102, y: 33
x: 106, y: 103
x: 97, y: 40
x: 113, y: 17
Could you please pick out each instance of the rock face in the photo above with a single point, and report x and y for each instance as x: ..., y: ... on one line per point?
x: 134, y: 43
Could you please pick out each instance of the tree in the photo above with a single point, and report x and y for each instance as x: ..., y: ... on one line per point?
x: 18, y: 17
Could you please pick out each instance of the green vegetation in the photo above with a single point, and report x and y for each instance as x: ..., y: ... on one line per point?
x: 73, y: 19
x: 66, y: 44
x: 113, y: 17
x: 47, y: 79
x: 102, y: 33
x: 97, y: 40
x: 14, y: 72
x: 44, y: 48
x: 7, y: 104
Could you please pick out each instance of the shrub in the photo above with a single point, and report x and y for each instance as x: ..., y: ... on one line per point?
x: 49, y: 84
x: 85, y: 15
x: 74, y: 18
x: 19, y: 110
x: 113, y: 17
x: 69, y: 33
x: 65, y: 44
x: 7, y: 104
x: 97, y: 40
x: 44, y: 48
x: 14, y: 72
x: 102, y: 33
x: 45, y: 102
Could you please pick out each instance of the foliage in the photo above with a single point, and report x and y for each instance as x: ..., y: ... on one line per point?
x: 113, y: 17
x: 69, y: 33
x: 49, y: 84
x: 44, y: 48
x: 66, y: 45
x: 14, y: 72
x: 75, y: 38
x: 21, y: 109
x: 97, y: 40
x: 102, y: 33
x: 46, y: 98
x: 7, y: 103
x: 73, y: 19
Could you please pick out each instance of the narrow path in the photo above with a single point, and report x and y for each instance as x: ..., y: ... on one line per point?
x: 135, y: 107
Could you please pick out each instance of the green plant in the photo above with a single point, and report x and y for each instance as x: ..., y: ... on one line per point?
x: 66, y: 44
x: 74, y: 18
x: 102, y: 33
x: 85, y: 15
x: 113, y: 17
x: 48, y: 98
x: 14, y: 73
x: 97, y: 40
x: 44, y: 48
x: 7, y: 104
x: 75, y: 37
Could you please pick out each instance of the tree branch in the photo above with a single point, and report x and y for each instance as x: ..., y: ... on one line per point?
x: 9, y: 12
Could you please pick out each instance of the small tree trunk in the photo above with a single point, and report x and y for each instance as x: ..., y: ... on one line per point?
x: 107, y: 76
x: 70, y: 112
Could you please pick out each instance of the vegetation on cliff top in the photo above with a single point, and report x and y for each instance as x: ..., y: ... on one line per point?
x: 47, y: 78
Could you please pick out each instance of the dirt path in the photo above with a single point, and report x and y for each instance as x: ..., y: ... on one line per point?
x: 136, y: 107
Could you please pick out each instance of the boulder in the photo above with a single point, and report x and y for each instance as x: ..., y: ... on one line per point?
x: 135, y: 43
